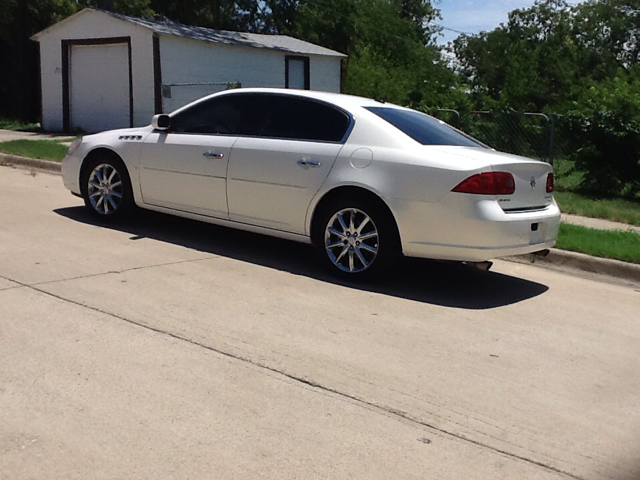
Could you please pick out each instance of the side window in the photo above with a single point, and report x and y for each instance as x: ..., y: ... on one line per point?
x: 304, y: 119
x: 255, y: 114
x: 216, y: 116
x: 264, y: 115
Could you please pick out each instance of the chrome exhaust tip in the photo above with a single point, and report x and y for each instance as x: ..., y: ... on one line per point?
x: 542, y: 253
x: 484, y: 266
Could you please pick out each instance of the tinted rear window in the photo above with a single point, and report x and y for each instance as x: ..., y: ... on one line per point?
x: 284, y: 116
x: 423, y: 128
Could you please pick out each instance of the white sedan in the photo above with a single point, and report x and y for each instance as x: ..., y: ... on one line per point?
x: 363, y: 180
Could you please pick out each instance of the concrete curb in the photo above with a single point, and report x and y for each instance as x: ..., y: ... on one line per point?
x: 565, y: 259
x: 6, y: 159
x: 556, y: 258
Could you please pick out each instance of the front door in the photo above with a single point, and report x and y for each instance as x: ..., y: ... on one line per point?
x: 185, y: 168
x: 186, y: 172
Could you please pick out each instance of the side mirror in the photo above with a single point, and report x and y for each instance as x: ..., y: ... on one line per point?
x: 161, y: 122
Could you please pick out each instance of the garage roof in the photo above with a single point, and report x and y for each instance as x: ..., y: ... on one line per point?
x: 281, y: 43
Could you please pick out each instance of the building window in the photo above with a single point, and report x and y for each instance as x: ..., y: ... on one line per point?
x: 296, y: 72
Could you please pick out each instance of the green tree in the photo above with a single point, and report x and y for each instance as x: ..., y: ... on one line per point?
x: 389, y: 43
x: 608, y: 35
x: 529, y: 63
x: 19, y: 20
x: 546, y: 55
x: 136, y: 8
x: 239, y: 15
x: 605, y: 121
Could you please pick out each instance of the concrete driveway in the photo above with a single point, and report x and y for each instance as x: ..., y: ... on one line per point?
x: 166, y: 348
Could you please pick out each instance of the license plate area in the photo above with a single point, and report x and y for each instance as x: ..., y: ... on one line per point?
x: 537, y: 232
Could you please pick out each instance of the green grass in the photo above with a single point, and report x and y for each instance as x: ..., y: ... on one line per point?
x: 43, y: 149
x: 8, y: 124
x: 617, y: 245
x: 572, y: 200
x: 615, y: 209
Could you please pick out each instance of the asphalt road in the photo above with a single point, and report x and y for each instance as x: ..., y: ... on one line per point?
x: 166, y: 348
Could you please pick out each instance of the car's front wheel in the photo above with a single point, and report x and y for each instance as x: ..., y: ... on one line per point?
x: 106, y: 188
x: 357, y: 239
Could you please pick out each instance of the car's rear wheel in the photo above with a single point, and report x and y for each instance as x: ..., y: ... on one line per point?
x: 357, y: 239
x: 106, y: 188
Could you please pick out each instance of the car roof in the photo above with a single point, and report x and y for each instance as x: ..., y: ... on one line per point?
x: 345, y: 101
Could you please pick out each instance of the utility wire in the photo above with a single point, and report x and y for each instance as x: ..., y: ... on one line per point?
x: 459, y: 32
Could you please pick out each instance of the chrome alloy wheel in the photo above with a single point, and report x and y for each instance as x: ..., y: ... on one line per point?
x: 351, y: 240
x: 105, y: 189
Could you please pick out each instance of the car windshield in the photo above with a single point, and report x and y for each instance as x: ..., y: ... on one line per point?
x: 423, y: 128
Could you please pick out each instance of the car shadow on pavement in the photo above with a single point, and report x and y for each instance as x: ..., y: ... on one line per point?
x: 448, y: 284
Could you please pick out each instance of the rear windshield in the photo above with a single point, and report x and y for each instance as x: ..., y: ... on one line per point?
x: 423, y: 128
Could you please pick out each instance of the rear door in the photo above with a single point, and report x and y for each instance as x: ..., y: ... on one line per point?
x: 284, y: 153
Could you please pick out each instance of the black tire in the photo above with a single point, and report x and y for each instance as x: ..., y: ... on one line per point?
x: 351, y: 253
x: 106, y: 187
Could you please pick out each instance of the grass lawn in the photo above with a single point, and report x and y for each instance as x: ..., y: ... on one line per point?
x: 617, y: 245
x: 43, y: 149
x: 616, y: 209
x: 7, y: 124
x: 572, y: 200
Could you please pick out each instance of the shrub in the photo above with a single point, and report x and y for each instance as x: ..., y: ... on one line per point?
x: 606, y: 120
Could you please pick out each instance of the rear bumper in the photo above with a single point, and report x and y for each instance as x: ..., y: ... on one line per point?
x: 472, y: 228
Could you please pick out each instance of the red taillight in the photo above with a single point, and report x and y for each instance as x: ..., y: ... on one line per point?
x: 550, y: 183
x: 490, y: 183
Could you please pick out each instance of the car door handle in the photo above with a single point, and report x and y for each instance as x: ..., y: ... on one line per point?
x: 305, y: 162
x: 213, y: 155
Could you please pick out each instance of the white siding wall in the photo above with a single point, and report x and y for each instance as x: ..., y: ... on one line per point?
x: 192, y: 61
x: 325, y: 74
x: 96, y: 25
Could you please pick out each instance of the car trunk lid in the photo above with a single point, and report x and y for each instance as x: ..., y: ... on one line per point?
x: 530, y: 176
x: 530, y: 181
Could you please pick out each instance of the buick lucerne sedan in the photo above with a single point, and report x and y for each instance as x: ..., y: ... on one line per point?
x: 363, y: 180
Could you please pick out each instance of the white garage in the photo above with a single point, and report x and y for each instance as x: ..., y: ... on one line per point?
x: 101, y: 70
x: 99, y: 81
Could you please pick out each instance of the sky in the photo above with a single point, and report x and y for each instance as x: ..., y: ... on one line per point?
x: 473, y: 16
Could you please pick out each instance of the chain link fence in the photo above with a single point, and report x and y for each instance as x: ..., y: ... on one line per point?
x: 533, y: 135
x: 525, y: 134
